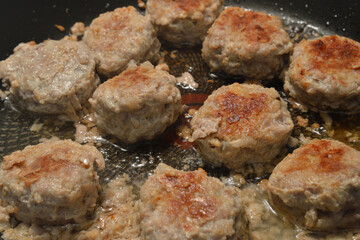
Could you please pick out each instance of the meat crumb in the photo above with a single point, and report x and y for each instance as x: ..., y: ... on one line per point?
x: 293, y: 142
x: 117, y: 217
x: 78, y: 29
x: 36, y: 126
x: 53, y: 138
x: 84, y: 134
x: 184, y: 132
x: 60, y: 27
x: 302, y: 121
x: 71, y: 38
x: 327, y: 119
x: 162, y: 66
x: 187, y: 80
x: 191, y: 112
x: 141, y: 4
x: 303, y: 140
x: 173, y: 54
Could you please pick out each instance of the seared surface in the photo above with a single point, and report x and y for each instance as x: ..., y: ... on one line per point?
x: 120, y: 37
x: 51, y: 183
x: 241, y: 123
x: 189, y: 205
x: 241, y: 42
x: 318, y: 185
x: 325, y: 74
x: 183, y: 21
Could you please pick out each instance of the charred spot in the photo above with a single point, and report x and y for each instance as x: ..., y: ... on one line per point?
x: 259, y: 28
x: 318, y: 45
x: 320, y: 157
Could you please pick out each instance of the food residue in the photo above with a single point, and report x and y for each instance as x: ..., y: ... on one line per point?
x: 60, y: 27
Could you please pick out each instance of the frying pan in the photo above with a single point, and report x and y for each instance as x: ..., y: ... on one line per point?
x: 35, y: 20
x: 23, y: 21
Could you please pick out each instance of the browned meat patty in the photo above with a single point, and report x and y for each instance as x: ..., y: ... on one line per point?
x: 183, y: 21
x: 53, y: 77
x: 120, y: 37
x: 138, y: 104
x: 51, y: 183
x: 324, y: 74
x: 241, y: 123
x: 318, y: 186
x: 178, y: 205
x: 241, y: 42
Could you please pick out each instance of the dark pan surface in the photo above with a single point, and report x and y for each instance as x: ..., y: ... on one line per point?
x: 23, y: 21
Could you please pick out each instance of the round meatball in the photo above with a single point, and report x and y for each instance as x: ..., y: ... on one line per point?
x: 120, y: 37
x: 241, y: 123
x: 138, y: 104
x: 53, y: 77
x: 324, y: 74
x: 251, y: 44
x: 183, y: 21
x: 180, y: 205
x: 51, y: 183
x: 318, y: 186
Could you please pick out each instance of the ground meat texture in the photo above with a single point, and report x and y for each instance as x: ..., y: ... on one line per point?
x: 138, y: 104
x: 317, y: 186
x: 51, y: 183
x: 183, y: 21
x: 53, y: 77
x: 241, y: 42
x: 117, y: 218
x: 324, y: 74
x: 180, y: 205
x: 120, y: 37
x: 241, y: 123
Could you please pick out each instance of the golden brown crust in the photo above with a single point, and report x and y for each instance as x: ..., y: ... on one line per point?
x: 317, y: 186
x: 120, y: 16
x: 333, y: 53
x: 121, y: 37
x: 186, y: 5
x: 44, y: 166
x: 256, y: 26
x: 186, y: 189
x: 191, y: 5
x: 239, y: 112
x: 129, y: 78
x: 324, y: 74
x: 319, y: 157
x: 189, y: 205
